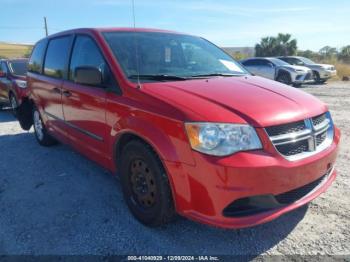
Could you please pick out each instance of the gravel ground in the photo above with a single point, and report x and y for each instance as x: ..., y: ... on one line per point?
x: 54, y: 201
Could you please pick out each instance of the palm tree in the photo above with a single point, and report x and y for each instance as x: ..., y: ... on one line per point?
x: 345, y: 53
x: 266, y: 47
x: 276, y: 46
x: 286, y: 45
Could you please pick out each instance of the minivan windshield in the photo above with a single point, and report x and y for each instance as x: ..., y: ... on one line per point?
x: 18, y: 67
x: 167, y: 56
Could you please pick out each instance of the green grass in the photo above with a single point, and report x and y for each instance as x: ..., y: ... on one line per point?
x: 14, y: 50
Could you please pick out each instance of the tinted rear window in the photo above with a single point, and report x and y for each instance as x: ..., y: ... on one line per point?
x: 57, y: 57
x: 35, y: 64
x: 18, y: 67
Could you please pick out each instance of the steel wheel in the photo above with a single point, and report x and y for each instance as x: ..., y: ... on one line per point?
x: 143, y: 184
x: 38, y: 125
x: 13, y: 102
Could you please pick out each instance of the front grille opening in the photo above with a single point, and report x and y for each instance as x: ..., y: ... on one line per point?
x: 320, y: 138
x: 285, y: 128
x: 296, y: 194
x: 318, y: 119
x: 262, y: 203
x: 293, y: 148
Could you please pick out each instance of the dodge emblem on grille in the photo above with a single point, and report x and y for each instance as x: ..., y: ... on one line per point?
x: 312, y: 140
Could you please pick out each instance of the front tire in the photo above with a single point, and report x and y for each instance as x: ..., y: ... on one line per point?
x: 40, y: 130
x: 318, y: 79
x: 145, y: 185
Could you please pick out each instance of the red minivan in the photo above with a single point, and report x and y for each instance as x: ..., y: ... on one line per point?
x: 188, y: 129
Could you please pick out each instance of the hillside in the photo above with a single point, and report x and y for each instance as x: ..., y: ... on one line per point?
x: 9, y: 50
x: 245, y: 51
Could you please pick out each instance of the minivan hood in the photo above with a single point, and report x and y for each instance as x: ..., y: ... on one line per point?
x: 252, y: 99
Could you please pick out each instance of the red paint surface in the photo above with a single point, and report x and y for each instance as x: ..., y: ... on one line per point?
x: 202, y: 185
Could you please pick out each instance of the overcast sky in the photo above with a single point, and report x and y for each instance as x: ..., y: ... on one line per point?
x: 315, y: 23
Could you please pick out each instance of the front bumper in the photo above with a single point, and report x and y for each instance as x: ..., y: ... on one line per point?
x: 203, y: 191
x: 326, y: 74
x: 303, y: 78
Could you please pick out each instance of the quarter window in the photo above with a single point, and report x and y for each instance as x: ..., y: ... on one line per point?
x: 57, y: 57
x: 35, y: 64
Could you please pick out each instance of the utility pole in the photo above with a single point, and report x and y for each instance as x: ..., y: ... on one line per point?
x: 45, y: 23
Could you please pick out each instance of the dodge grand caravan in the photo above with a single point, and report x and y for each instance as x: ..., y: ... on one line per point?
x: 188, y: 129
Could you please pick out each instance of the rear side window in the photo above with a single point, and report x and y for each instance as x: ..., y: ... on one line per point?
x: 265, y: 63
x: 251, y: 62
x: 35, y: 64
x: 86, y: 53
x: 57, y: 55
x: 3, y: 67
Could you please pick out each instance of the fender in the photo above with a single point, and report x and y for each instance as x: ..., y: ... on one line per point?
x: 171, y: 144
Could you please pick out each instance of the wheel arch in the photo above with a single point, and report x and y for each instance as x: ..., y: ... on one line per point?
x: 127, y: 136
x: 282, y: 71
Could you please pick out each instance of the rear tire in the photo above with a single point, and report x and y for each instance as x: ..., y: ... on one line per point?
x: 40, y: 130
x: 145, y: 185
x: 284, y: 78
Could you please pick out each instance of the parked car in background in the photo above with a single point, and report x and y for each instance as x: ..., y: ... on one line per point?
x: 321, y: 72
x: 13, y: 83
x: 276, y: 69
x: 184, y: 125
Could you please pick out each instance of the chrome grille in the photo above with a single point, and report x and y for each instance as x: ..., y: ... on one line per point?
x: 285, y: 129
x: 318, y: 119
x: 300, y: 139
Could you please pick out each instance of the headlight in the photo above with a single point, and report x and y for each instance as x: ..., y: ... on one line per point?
x: 222, y: 139
x: 21, y: 83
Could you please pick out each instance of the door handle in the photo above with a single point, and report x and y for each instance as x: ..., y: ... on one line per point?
x: 56, y: 90
x: 66, y: 93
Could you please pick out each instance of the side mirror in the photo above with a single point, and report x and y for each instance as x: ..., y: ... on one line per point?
x: 2, y: 74
x: 88, y: 75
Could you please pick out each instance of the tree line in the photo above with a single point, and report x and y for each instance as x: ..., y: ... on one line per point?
x: 285, y: 45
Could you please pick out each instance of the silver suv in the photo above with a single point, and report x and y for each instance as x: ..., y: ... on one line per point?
x: 278, y: 70
x: 322, y: 72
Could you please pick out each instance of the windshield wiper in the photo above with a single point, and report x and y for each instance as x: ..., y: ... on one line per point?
x: 217, y: 74
x: 158, y: 77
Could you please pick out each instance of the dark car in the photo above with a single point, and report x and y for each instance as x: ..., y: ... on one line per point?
x: 13, y: 83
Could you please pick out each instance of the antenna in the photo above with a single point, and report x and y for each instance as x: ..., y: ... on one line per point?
x: 45, y: 26
x: 136, y: 45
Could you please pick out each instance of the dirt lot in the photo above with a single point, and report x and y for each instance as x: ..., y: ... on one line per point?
x: 54, y: 201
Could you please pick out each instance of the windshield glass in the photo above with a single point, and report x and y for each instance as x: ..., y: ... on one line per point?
x: 278, y: 62
x: 306, y: 60
x: 169, y: 54
x: 18, y: 67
